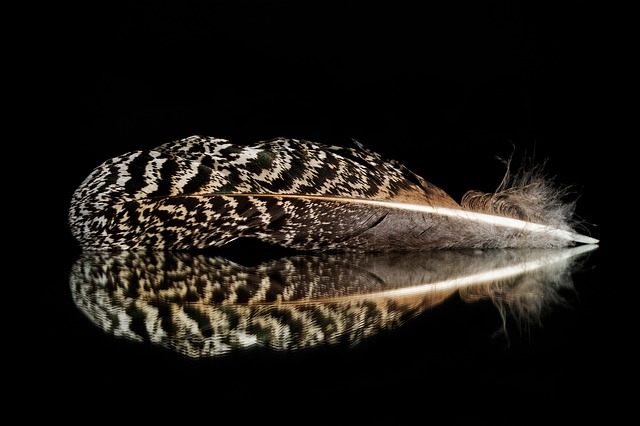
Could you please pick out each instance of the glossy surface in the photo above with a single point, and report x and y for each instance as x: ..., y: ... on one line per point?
x: 202, y: 306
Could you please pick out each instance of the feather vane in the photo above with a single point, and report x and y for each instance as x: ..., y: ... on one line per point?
x: 202, y: 192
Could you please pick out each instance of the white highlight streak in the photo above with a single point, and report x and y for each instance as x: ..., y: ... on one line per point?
x: 488, y: 218
x: 507, y: 222
x: 491, y: 275
x: 524, y: 267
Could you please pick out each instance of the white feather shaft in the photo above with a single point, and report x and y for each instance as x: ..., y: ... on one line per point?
x: 472, y: 216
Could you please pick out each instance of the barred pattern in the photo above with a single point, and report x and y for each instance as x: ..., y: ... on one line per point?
x: 174, y: 197
x: 202, y: 306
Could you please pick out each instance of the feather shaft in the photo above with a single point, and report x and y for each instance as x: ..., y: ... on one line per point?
x: 484, y: 218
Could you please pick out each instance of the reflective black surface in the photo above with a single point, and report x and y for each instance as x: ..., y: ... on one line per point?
x: 444, y: 90
x: 393, y: 335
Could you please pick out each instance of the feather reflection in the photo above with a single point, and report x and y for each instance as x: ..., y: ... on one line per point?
x: 205, y: 306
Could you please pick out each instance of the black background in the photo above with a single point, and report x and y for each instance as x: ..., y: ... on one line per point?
x: 445, y: 89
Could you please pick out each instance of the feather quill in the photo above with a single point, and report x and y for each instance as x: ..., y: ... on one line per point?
x: 202, y: 192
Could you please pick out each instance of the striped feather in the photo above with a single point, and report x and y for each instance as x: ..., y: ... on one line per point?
x: 202, y: 192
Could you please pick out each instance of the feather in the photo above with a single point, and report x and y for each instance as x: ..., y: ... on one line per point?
x: 202, y: 192
x: 205, y: 306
